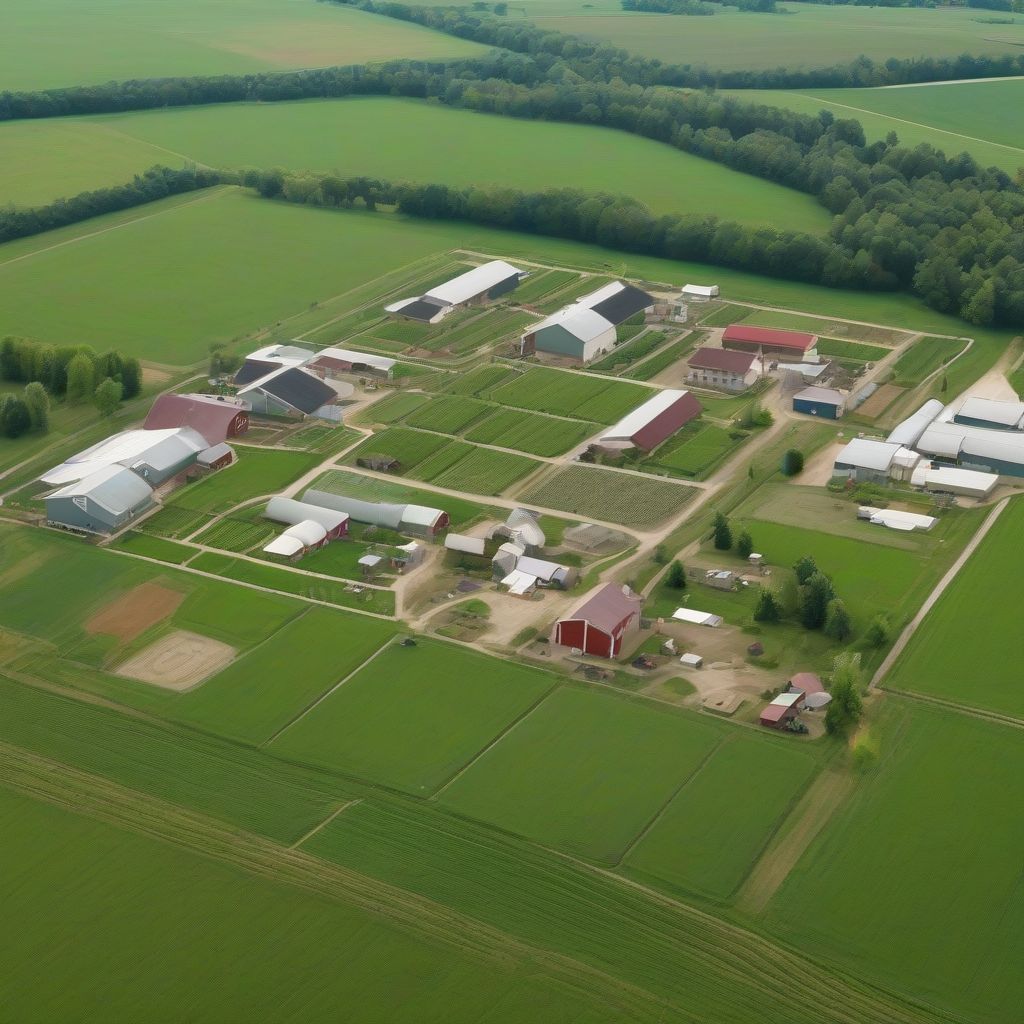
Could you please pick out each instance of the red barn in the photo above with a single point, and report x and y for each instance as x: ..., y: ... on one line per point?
x: 598, y: 625
x: 782, y: 710
x: 770, y: 341
x: 215, y: 417
x: 653, y: 422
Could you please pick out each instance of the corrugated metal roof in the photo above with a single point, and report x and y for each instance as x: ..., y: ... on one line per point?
x: 910, y: 430
x: 696, y: 618
x: 303, y: 391
x: 584, y: 324
x: 865, y: 453
x: 288, y: 510
x: 349, y: 355
x: 633, y: 422
x: 607, y: 607
x: 770, y: 337
x: 467, y: 545
x: 1007, y: 414
x: 114, y: 488
x: 828, y: 396
x: 473, y: 282
x: 618, y: 305
x: 722, y: 359
x: 215, y: 452
x: 421, y: 515
x: 211, y: 415
x: 372, y: 512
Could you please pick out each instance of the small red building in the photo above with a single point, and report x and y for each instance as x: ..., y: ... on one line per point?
x: 214, y: 416
x: 782, y: 710
x: 770, y: 341
x: 598, y: 625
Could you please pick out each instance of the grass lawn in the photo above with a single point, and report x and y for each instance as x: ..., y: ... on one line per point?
x: 693, y: 454
x: 415, y: 715
x: 154, y: 547
x: 851, y: 350
x: 124, y: 39
x: 585, y: 771
x: 924, y: 357
x: 939, y: 815
x: 624, y: 498
x: 281, y: 943
x: 966, y: 649
x: 717, y: 824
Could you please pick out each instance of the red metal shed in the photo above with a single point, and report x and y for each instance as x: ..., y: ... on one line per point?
x: 768, y: 339
x: 598, y: 625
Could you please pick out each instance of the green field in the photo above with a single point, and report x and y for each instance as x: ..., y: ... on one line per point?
x: 800, y: 36
x: 603, y: 494
x: 571, y: 394
x: 154, y: 547
x: 414, y: 716
x: 917, y: 879
x: 585, y: 771
x: 694, y: 453
x: 393, y: 139
x: 980, y: 118
x: 965, y: 650
x: 923, y: 358
x: 842, y: 349
x: 526, y: 432
x: 126, y: 39
x: 448, y: 414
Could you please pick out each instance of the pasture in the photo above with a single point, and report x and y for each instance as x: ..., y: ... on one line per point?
x: 412, y: 717
x: 124, y: 39
x: 603, y: 494
x: 403, y: 139
x: 966, y: 649
x: 916, y: 880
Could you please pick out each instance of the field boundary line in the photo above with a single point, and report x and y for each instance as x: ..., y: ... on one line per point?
x: 497, y: 739
x: 963, y: 709
x: 323, y: 696
x: 940, y: 588
x: 323, y: 824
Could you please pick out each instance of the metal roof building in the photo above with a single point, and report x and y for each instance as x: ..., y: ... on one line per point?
x: 699, y: 292
x: 910, y: 430
x: 304, y: 536
x: 289, y: 391
x: 102, y: 502
x: 653, y: 422
x: 894, y: 519
x: 696, y: 618
x: 598, y: 625
x: 292, y: 512
x: 465, y: 545
x: 488, y: 281
x: 865, y: 459
x: 269, y: 358
x: 986, y: 412
x: 330, y: 361
x: 769, y: 340
x: 417, y: 520
x: 826, y: 403
x: 950, y: 480
x: 971, y: 447
x: 215, y: 417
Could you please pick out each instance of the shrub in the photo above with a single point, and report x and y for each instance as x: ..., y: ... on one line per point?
x: 792, y: 462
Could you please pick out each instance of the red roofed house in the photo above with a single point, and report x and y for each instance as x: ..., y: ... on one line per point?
x: 598, y: 625
x: 654, y: 421
x: 770, y: 341
x: 215, y: 417
x: 782, y: 710
x: 722, y: 368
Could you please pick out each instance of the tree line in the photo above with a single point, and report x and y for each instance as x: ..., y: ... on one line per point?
x: 696, y: 7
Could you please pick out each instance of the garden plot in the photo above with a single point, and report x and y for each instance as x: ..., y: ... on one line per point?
x: 135, y: 611
x: 178, y: 661
x: 571, y: 394
x: 533, y: 433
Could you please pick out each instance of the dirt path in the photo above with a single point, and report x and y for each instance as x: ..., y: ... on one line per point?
x: 952, y: 81
x: 904, y: 639
x: 808, y: 818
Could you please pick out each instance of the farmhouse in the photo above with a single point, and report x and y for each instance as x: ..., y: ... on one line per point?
x: 474, y: 287
x: 910, y: 430
x: 653, y: 422
x: 102, y: 502
x: 985, y: 412
x: 598, y: 625
x: 155, y: 455
x: 868, y: 461
x: 293, y: 392
x: 722, y: 368
x: 771, y: 342
x: 298, y: 540
x: 292, y: 512
x: 949, y: 480
x: 586, y: 328
x: 415, y: 520
x: 330, y: 362
x: 782, y: 710
x: 216, y: 417
x: 991, y: 451
x: 826, y: 403
x: 698, y: 292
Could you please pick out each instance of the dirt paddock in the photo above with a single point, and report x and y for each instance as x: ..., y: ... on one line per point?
x: 178, y: 661
x: 135, y: 611
x: 879, y: 401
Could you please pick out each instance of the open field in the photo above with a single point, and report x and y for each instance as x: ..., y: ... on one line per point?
x: 916, y: 881
x: 966, y: 650
x: 571, y: 394
x: 693, y: 453
x: 584, y: 771
x: 980, y: 118
x: 587, y: 491
x: 395, y: 139
x: 924, y: 357
x: 124, y: 39
x: 800, y: 36
x: 414, y: 716
x: 527, y: 432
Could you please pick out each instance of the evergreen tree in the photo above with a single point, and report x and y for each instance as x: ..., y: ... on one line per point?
x: 846, y: 705
x: 722, y: 533
x: 675, y: 578
x: 837, y: 621
x: 131, y: 377
x: 38, y: 403
x: 744, y: 544
x: 817, y: 594
x: 768, y: 609
x: 108, y: 396
x: 81, y: 379
x: 792, y: 462
x: 805, y: 568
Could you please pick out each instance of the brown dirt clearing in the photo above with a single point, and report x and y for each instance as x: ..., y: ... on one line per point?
x: 178, y: 661
x: 879, y: 401
x: 134, y: 612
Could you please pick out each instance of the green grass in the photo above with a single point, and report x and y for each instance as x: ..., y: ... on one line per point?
x: 173, y: 522
x: 237, y: 534
x: 217, y: 920
x: 414, y: 715
x: 480, y: 381
x: 966, y: 650
x: 718, y: 823
x: 585, y: 771
x: 542, y: 283
x: 391, y: 408
x: 917, y: 879
x: 694, y: 454
x: 628, y: 353
x: 650, y: 368
x: 529, y: 432
x: 923, y: 358
x: 154, y: 547
x: 123, y: 39
x: 570, y: 394
x: 483, y: 471
x: 410, y: 447
x: 851, y: 350
x: 602, y: 494
x: 447, y: 414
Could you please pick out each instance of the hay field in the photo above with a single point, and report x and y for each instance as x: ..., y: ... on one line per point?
x: 917, y: 880
x: 53, y: 43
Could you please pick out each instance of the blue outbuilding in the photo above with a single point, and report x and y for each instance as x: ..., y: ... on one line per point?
x: 825, y: 403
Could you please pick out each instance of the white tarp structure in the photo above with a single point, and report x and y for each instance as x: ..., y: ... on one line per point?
x: 817, y: 700
x: 699, y: 292
x: 895, y: 519
x: 519, y: 583
x: 691, y: 660
x: 464, y: 544
x: 296, y: 539
x: 696, y: 618
x: 951, y: 480
x: 909, y: 432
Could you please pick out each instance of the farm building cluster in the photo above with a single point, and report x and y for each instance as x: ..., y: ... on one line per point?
x: 485, y: 283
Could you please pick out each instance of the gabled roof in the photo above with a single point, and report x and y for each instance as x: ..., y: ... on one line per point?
x: 770, y: 337
x: 806, y: 682
x: 425, y: 310
x: 114, y: 488
x: 584, y: 324
x: 607, y: 607
x: 328, y: 356
x: 211, y: 415
x: 217, y: 451
x: 864, y: 453
x: 632, y: 423
x: 617, y: 301
x: 828, y: 396
x: 253, y: 369
x: 473, y: 282
x: 722, y: 359
x: 1006, y: 414
x: 466, y: 545
x: 303, y: 391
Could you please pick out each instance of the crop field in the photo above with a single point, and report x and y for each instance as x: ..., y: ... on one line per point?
x: 154, y: 547
x: 920, y: 825
x: 481, y: 381
x: 236, y: 534
x: 447, y: 414
x: 650, y: 368
x: 584, y: 771
x: 483, y: 471
x: 806, y: 36
x: 842, y: 349
x: 406, y: 139
x: 124, y: 40
x: 412, y: 717
x: 530, y: 432
x: 543, y: 283
x: 694, y: 454
x: 713, y: 830
x: 173, y: 522
x: 628, y: 353
x: 570, y: 394
x: 410, y: 447
x: 965, y: 650
x: 602, y: 494
x: 391, y: 408
x: 572, y: 291
x: 924, y: 357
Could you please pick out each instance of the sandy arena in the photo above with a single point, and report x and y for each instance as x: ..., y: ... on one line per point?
x: 178, y: 661
x: 134, y: 612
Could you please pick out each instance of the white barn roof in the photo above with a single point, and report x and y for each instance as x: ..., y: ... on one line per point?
x: 636, y: 420
x: 942, y: 477
x: 472, y: 283
x: 519, y: 582
x: 958, y: 440
x: 1006, y: 414
x: 910, y: 430
x: 114, y: 488
x: 897, y: 520
x: 584, y: 324
x: 696, y: 618
x: 704, y: 291
x: 305, y: 534
x: 864, y: 453
x: 283, y: 355
x: 349, y: 355
x: 467, y: 545
x: 288, y: 510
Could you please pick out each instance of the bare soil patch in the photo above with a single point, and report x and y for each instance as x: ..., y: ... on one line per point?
x: 134, y: 612
x: 879, y: 401
x: 178, y: 661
